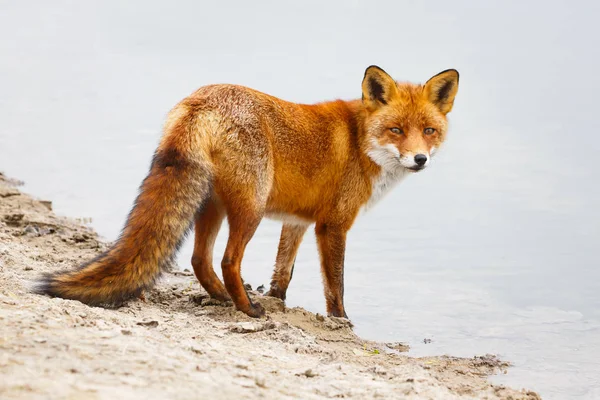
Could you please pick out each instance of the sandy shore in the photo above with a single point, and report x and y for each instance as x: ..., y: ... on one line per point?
x: 177, y: 344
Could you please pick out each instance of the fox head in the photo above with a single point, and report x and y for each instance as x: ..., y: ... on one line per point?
x: 406, y: 123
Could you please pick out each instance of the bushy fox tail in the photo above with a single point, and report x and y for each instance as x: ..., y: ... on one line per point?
x: 178, y: 182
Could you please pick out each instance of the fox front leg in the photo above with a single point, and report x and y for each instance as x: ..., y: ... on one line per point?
x: 291, y: 237
x: 331, y: 240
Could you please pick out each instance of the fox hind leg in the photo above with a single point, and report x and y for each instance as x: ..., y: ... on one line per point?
x: 243, y: 180
x: 291, y: 237
x: 241, y: 229
x: 208, y: 222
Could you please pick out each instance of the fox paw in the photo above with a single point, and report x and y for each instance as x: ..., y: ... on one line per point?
x: 256, y: 311
x: 275, y: 291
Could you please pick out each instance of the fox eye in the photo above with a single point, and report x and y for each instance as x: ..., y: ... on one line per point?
x: 397, y: 131
x: 429, y: 131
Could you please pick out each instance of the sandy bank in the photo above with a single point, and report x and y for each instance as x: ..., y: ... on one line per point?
x: 178, y: 344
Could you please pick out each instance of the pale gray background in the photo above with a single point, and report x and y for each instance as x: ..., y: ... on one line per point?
x: 491, y: 250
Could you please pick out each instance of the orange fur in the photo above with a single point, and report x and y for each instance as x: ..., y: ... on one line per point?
x: 232, y: 151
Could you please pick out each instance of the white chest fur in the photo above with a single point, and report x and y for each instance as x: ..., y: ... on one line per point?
x: 383, y: 183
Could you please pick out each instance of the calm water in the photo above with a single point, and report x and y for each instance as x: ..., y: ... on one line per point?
x: 491, y: 250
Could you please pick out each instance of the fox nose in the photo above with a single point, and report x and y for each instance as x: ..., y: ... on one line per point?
x: 420, y: 159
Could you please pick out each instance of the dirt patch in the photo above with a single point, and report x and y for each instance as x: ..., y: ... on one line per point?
x: 176, y: 342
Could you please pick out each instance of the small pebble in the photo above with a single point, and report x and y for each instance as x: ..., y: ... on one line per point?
x: 197, y: 349
x: 260, y: 382
x: 309, y: 373
x: 150, y: 324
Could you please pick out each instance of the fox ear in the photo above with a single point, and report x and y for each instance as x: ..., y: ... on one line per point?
x: 441, y: 89
x: 378, y: 88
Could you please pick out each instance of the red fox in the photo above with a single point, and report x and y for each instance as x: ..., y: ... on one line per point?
x: 230, y: 151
